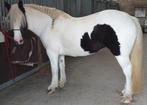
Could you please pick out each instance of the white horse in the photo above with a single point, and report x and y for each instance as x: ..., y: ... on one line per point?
x: 63, y: 34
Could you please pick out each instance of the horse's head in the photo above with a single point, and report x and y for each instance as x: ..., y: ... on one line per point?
x: 17, y: 18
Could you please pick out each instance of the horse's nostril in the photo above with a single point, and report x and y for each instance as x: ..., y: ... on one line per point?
x: 21, y: 41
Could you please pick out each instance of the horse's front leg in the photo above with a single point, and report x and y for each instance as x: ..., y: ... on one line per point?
x: 62, y: 71
x: 54, y: 69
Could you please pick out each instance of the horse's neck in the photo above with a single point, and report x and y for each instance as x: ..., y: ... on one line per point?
x: 37, y: 21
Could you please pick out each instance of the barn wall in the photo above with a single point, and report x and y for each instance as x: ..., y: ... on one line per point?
x: 84, y: 7
x: 77, y: 7
x: 129, y: 5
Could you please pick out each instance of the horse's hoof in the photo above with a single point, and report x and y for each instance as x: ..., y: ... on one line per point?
x: 61, y: 84
x: 51, y: 91
x: 125, y: 103
x: 126, y: 100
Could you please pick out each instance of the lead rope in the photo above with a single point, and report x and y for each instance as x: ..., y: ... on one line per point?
x: 6, y: 44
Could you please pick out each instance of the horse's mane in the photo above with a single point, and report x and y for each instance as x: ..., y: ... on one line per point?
x: 17, y: 16
x: 52, y: 12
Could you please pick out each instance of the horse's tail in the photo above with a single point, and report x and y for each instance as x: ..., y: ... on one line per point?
x: 136, y: 59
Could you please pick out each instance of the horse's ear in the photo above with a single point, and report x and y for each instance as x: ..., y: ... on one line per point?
x: 7, y: 5
x: 20, y: 5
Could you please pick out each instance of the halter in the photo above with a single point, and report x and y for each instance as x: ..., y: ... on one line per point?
x: 22, y: 30
x: 7, y: 34
x: 16, y: 29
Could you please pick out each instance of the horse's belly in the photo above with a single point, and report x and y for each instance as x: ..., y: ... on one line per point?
x: 75, y: 51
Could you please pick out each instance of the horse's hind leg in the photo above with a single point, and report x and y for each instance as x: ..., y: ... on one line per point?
x: 54, y: 69
x: 126, y: 66
x: 62, y: 71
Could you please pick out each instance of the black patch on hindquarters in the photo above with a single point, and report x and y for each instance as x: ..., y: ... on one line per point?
x: 90, y: 45
x: 101, y: 36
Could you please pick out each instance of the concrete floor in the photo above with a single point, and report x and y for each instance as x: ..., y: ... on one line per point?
x: 92, y: 80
